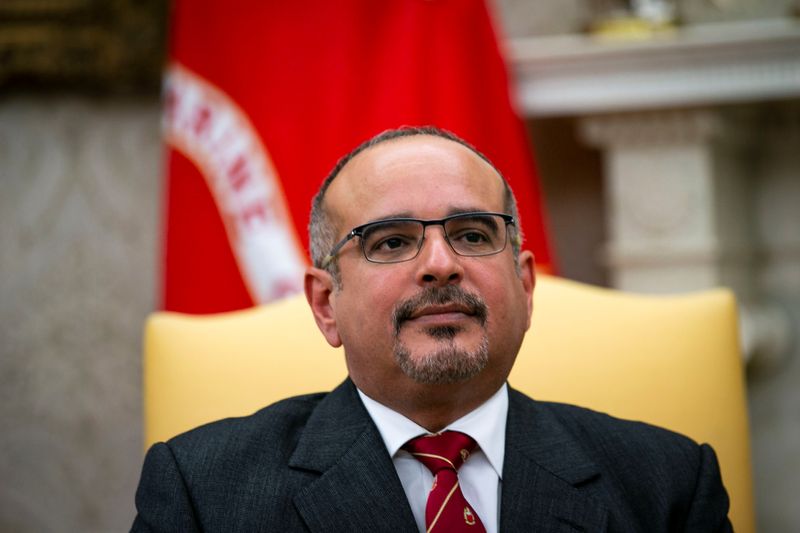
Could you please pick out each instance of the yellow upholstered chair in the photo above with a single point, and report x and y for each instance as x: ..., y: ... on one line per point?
x: 672, y: 361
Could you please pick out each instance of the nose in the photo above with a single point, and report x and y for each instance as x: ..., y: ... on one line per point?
x: 438, y: 265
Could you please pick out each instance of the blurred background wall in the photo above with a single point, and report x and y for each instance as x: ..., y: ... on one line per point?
x: 80, y: 207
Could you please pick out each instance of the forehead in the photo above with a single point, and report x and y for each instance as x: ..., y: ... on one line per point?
x: 421, y: 176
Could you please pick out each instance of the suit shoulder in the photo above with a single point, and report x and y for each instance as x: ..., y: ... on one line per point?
x: 607, y: 439
x: 646, y: 471
x: 206, y: 478
x: 636, y: 448
x: 590, y: 424
x: 277, y: 424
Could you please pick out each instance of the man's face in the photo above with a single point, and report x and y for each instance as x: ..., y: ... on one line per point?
x: 440, y: 318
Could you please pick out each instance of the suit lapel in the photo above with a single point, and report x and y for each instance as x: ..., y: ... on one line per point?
x: 358, y: 488
x: 547, y: 479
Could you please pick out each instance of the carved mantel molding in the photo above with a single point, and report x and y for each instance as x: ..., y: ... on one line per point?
x: 694, y: 65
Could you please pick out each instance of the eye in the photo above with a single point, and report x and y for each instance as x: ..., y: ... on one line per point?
x: 474, y: 234
x: 472, y: 237
x: 391, y: 243
x: 386, y: 241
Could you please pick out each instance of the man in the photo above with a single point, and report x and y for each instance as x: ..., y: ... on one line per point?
x: 419, y: 274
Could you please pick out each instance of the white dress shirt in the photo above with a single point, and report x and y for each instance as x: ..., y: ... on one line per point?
x: 480, y: 477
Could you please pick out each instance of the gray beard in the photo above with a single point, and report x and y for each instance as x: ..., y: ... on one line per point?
x: 447, y: 363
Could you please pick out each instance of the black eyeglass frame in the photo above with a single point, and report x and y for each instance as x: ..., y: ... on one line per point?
x: 358, y: 231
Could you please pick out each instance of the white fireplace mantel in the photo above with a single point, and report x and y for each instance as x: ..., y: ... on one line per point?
x: 694, y: 65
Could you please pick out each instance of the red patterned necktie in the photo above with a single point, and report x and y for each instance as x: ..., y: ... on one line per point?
x: 443, y: 454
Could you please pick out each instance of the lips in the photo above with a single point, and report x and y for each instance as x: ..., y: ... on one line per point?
x: 452, y: 311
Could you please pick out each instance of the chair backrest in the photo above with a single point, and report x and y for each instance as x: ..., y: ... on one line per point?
x: 672, y: 361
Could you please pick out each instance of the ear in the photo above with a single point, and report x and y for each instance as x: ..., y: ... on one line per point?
x: 527, y: 274
x: 319, y: 294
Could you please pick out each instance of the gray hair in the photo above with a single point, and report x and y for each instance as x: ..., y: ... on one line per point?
x: 321, y: 230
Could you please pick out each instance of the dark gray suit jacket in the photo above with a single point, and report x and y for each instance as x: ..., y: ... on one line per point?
x: 317, y: 463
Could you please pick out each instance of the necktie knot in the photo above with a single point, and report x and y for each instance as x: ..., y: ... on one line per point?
x: 448, y: 449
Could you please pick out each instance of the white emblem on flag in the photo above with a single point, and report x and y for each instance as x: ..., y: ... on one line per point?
x: 212, y: 131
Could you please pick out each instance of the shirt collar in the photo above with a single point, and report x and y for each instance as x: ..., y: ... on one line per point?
x: 486, y: 424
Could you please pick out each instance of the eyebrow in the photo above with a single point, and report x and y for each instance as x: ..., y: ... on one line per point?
x: 407, y: 214
x: 462, y: 210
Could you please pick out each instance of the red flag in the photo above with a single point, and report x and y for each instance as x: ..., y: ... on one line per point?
x: 263, y: 97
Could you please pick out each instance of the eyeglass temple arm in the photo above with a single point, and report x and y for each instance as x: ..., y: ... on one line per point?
x: 328, y: 258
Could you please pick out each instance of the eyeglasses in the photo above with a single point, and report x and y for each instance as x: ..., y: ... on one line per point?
x: 395, y: 240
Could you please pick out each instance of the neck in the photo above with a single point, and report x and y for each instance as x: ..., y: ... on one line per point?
x: 433, y: 407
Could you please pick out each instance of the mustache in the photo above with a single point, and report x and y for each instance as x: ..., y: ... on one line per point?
x: 449, y: 294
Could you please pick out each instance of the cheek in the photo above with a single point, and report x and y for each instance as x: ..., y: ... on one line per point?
x: 506, y: 300
x: 371, y: 295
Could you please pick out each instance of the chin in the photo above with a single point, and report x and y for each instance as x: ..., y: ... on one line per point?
x: 446, y: 362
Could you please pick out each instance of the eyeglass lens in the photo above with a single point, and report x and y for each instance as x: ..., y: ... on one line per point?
x: 400, y: 240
